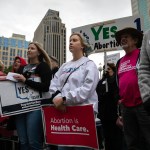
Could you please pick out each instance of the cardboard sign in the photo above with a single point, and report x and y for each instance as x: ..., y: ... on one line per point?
x: 75, y: 127
x: 16, y: 98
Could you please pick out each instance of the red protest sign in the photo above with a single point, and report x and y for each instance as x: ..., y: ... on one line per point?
x: 75, y: 127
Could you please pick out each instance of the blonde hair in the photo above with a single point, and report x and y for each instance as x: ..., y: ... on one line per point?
x: 82, y: 39
x: 86, y: 46
x: 43, y: 54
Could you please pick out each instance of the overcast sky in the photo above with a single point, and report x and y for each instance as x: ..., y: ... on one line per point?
x: 23, y: 16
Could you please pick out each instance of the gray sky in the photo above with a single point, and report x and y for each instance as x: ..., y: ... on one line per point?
x: 23, y: 16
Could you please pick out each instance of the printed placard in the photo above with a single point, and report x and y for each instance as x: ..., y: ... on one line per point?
x: 16, y: 98
x: 75, y: 127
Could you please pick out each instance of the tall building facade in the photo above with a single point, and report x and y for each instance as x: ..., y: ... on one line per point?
x: 142, y: 7
x: 12, y: 47
x: 51, y: 33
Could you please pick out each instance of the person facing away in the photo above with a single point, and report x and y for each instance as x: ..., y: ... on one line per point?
x: 144, y: 71
x: 80, y: 87
x: 29, y: 125
x: 136, y: 121
x: 107, y: 108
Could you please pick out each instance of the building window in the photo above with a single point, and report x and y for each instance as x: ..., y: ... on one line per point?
x: 25, y: 54
x: 14, y: 52
x: 20, y: 44
x: 26, y: 44
x: 6, y: 40
x: 1, y: 40
x: 13, y: 42
x: 10, y: 63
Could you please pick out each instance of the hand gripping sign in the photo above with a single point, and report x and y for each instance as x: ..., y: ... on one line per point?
x: 75, y: 127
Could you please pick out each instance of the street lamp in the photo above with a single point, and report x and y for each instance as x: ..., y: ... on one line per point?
x: 100, y: 68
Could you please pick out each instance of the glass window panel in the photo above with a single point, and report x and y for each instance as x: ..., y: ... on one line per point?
x: 13, y: 43
x: 6, y: 40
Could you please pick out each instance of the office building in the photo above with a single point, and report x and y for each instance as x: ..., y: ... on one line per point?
x: 142, y: 8
x: 12, y: 47
x: 51, y: 33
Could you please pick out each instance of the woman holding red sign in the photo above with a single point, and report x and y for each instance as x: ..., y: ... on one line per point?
x: 76, y: 81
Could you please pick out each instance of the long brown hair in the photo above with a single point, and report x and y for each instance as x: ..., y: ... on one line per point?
x: 43, y: 54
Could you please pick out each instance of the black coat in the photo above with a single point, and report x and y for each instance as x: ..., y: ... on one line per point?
x: 107, y: 101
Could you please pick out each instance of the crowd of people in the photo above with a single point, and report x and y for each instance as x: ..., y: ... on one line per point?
x: 123, y: 108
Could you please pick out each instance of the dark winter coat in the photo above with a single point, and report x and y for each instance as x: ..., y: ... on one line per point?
x: 107, y: 105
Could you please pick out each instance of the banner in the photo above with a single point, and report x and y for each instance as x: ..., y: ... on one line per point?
x: 75, y: 127
x: 101, y: 35
x: 16, y: 98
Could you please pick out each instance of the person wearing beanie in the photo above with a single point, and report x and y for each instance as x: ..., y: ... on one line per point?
x: 17, y: 67
x: 136, y: 122
x: 18, y: 64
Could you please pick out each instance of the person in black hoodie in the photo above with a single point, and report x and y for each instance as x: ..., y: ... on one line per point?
x: 107, y: 108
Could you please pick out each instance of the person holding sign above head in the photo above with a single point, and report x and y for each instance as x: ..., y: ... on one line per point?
x: 75, y: 82
x: 29, y: 125
x: 136, y: 121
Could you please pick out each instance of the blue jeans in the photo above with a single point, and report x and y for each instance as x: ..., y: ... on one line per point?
x: 73, y: 148
x: 136, y: 127
x: 30, y: 130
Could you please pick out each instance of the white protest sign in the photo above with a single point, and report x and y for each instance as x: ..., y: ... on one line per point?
x: 113, y: 58
x: 101, y: 36
x: 16, y: 98
x: 10, y: 76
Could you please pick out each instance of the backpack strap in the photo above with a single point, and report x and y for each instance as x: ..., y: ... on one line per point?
x: 58, y: 91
